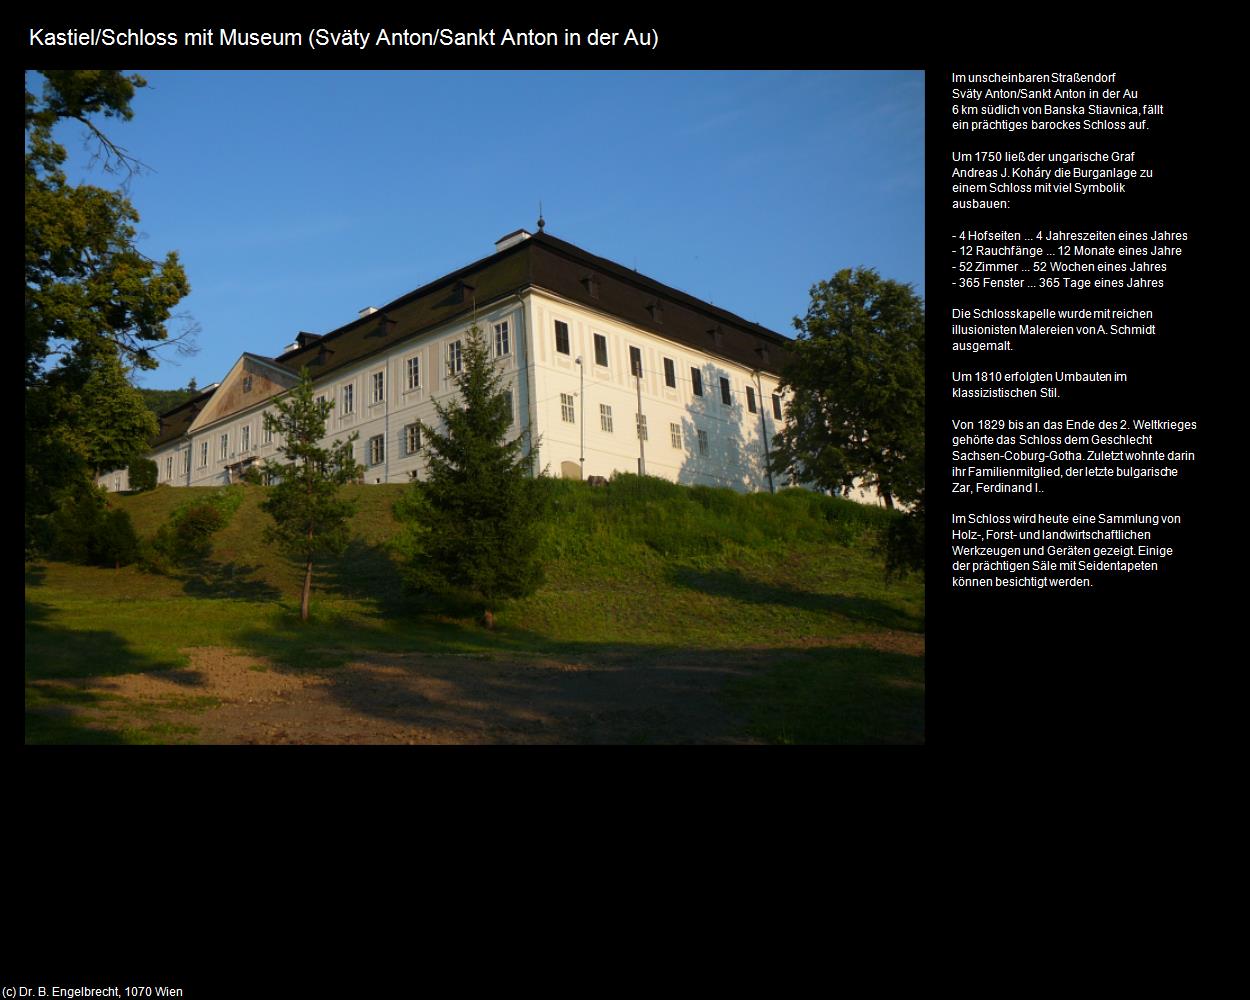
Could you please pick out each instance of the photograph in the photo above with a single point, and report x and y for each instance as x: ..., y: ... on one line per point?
x: 512, y: 407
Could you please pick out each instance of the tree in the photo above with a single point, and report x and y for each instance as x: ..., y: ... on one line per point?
x: 309, y: 518
x: 472, y: 524
x: 143, y: 474
x: 856, y: 413
x: 112, y: 425
x: 94, y: 304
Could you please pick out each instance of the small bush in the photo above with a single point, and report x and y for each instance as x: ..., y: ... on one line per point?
x: 188, y: 534
x: 142, y: 475
x: 194, y: 531
x: 116, y: 543
x: 84, y: 530
x: 74, y: 524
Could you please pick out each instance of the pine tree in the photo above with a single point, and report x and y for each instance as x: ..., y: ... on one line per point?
x: 309, y: 517
x: 472, y: 523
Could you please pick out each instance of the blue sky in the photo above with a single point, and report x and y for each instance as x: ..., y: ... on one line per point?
x: 297, y: 198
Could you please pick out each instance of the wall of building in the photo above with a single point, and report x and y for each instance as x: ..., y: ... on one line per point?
x: 692, y: 438
x: 388, y: 418
x: 732, y: 452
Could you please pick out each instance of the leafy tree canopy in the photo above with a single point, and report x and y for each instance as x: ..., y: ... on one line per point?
x: 855, y: 413
x: 95, y: 306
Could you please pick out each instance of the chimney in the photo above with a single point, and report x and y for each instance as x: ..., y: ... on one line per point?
x: 511, y: 240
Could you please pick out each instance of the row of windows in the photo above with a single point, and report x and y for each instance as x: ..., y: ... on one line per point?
x: 640, y: 419
x: 670, y: 369
x: 412, y: 369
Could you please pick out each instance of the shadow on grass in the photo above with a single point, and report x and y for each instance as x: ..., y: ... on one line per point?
x: 364, y: 572
x: 733, y: 584
x: 58, y: 726
x: 55, y: 651
x: 845, y: 696
x: 469, y: 685
x: 232, y: 579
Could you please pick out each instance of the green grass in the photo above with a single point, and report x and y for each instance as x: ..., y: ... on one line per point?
x: 641, y: 565
x: 840, y: 696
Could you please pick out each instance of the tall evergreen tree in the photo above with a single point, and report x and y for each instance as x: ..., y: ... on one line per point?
x: 309, y: 516
x: 472, y: 523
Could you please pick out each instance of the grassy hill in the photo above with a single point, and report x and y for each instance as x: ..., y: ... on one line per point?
x: 640, y: 569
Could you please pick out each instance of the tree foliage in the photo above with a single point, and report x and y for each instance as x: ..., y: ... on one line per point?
x: 95, y: 305
x: 856, y: 411
x: 855, y: 415
x: 472, y: 523
x: 143, y: 475
x: 309, y: 518
x: 84, y: 529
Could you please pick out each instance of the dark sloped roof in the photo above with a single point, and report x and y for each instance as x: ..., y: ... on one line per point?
x: 175, y: 423
x: 545, y: 262
x: 569, y: 270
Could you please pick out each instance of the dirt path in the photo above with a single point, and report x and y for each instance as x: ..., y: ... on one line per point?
x: 226, y: 697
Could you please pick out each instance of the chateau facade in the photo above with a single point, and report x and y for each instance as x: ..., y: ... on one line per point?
x: 609, y: 371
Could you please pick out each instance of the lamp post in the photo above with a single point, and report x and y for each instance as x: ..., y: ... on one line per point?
x: 642, y: 455
x: 768, y: 460
x: 581, y: 392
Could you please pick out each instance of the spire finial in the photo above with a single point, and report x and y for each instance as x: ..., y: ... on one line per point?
x: 541, y: 221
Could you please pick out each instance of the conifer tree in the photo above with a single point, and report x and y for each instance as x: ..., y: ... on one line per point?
x: 472, y: 523
x: 309, y: 517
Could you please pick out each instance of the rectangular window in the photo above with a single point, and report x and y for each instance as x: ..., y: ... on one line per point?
x: 203, y: 454
x: 502, y: 345
x: 562, y: 338
x: 566, y: 408
x: 379, y: 386
x: 696, y: 381
x: 605, y: 417
x: 245, y: 437
x: 267, y: 433
x: 376, y: 449
x: 169, y: 467
x: 455, y: 361
x: 225, y: 445
x: 777, y: 406
x: 412, y: 439
x: 702, y: 442
x: 349, y: 399
x: 321, y: 399
x: 511, y: 409
x: 601, y: 350
x: 635, y: 361
x: 670, y: 374
x: 674, y: 431
x: 724, y: 390
x: 641, y: 420
x: 414, y: 373
x: 186, y: 461
x: 750, y: 399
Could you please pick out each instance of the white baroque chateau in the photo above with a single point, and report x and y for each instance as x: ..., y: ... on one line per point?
x: 573, y: 333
